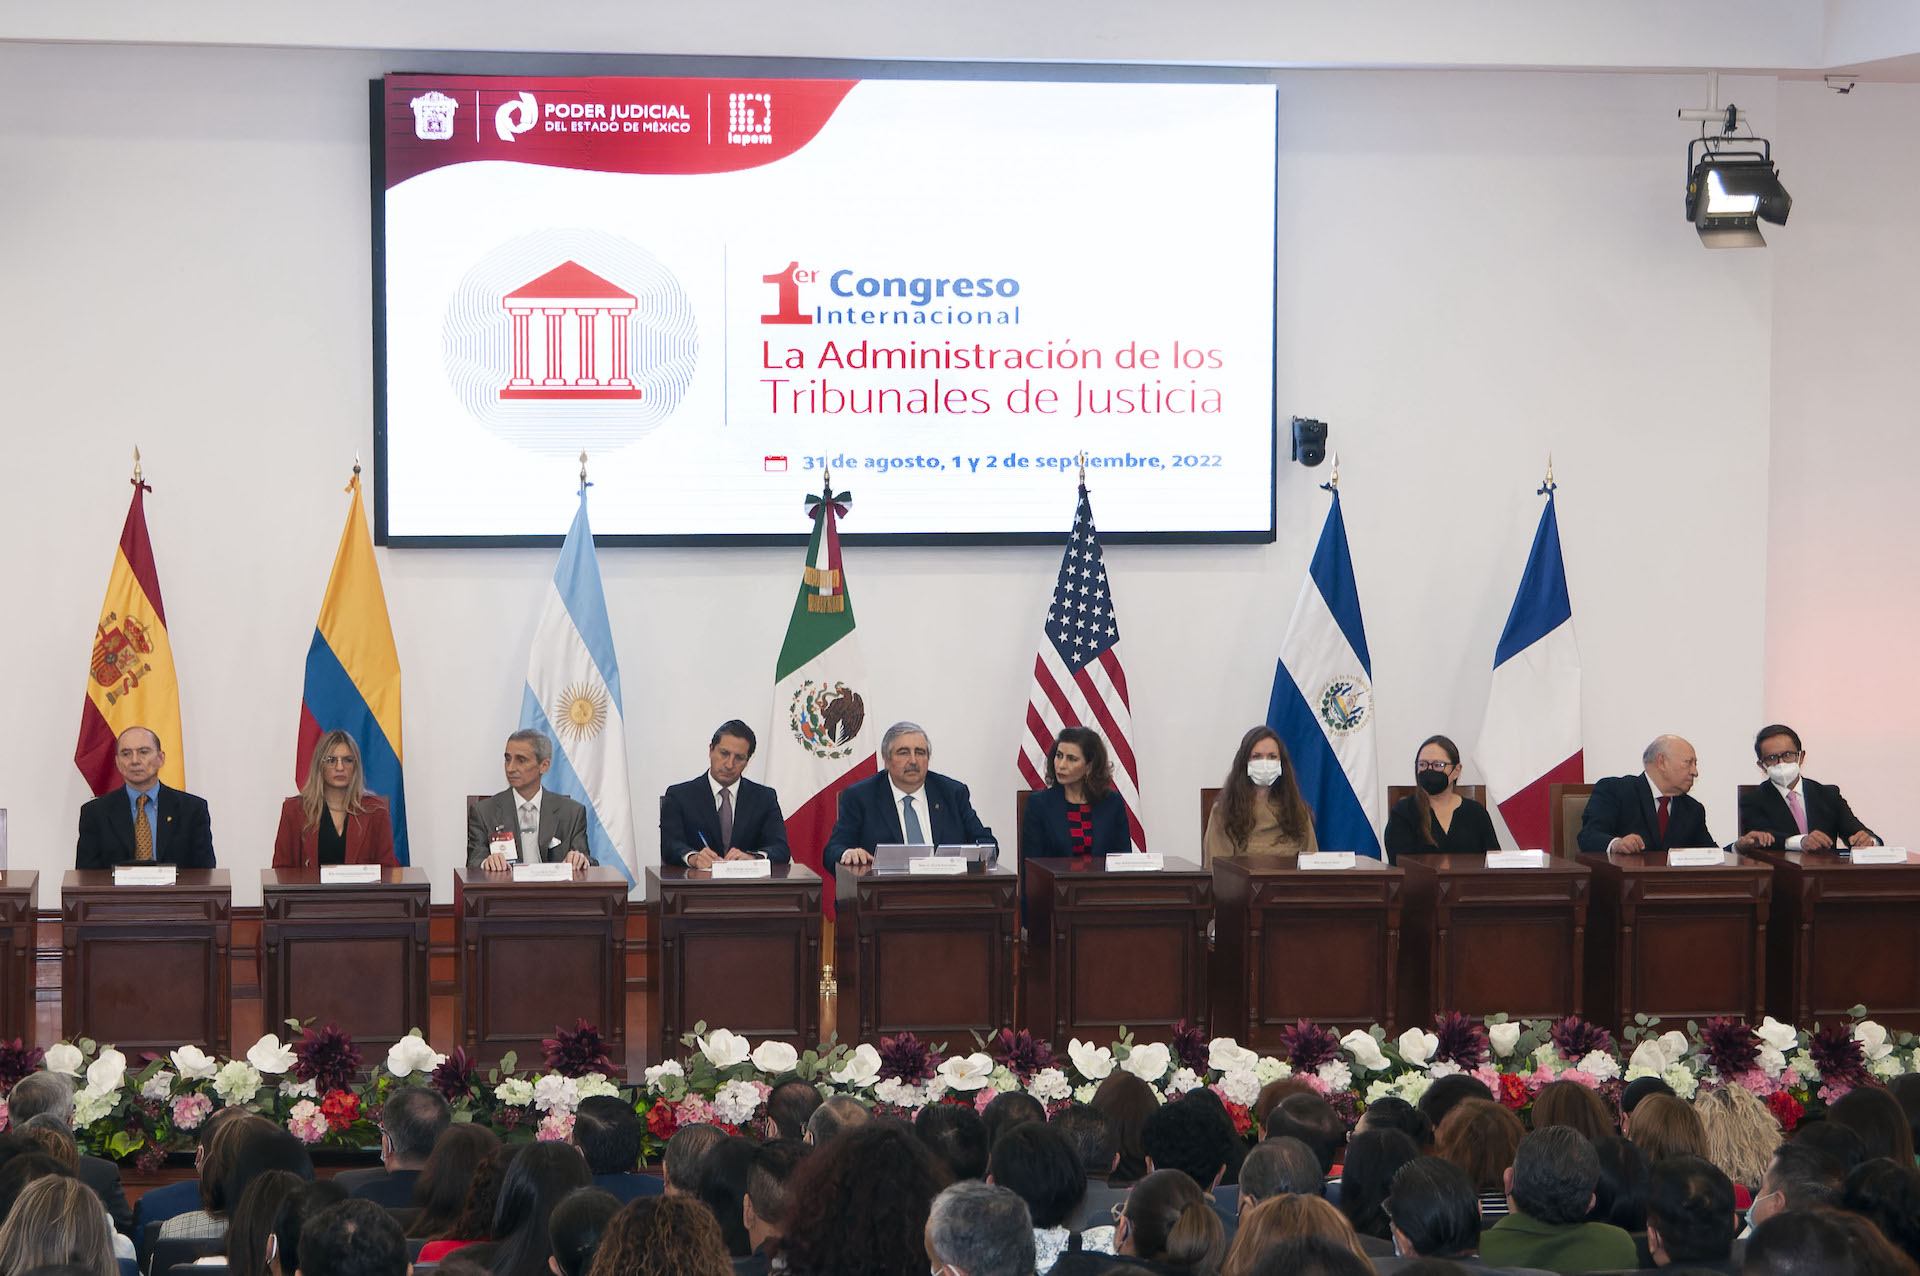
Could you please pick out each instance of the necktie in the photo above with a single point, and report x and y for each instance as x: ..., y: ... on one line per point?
x: 142, y: 832
x: 726, y: 820
x: 1664, y: 800
x: 529, y: 832
x: 911, y: 822
x: 1799, y: 811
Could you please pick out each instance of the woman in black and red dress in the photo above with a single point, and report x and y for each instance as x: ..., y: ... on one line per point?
x: 1078, y: 813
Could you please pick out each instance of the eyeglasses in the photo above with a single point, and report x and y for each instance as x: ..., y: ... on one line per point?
x: 1775, y: 759
x: 1431, y: 766
x: 337, y: 761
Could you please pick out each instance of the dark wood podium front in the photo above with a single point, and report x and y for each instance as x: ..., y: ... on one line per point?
x: 1676, y: 941
x: 146, y: 967
x: 1111, y: 949
x: 933, y: 955
x: 739, y: 953
x: 19, y: 889
x: 349, y: 954
x: 1480, y: 940
x: 535, y: 956
x: 1843, y: 934
x: 1293, y: 943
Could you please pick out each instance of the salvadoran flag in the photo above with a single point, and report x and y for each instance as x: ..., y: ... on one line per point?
x: 1322, y: 703
x: 1531, y: 736
x: 573, y: 694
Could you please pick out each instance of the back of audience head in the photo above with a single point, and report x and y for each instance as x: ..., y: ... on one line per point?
x: 1280, y: 1167
x: 957, y: 1137
x: 1391, y: 1113
x: 37, y: 1093
x: 859, y: 1203
x: 840, y: 1113
x: 22, y: 1170
x: 1741, y: 1131
x: 1821, y: 1242
x: 1553, y: 1176
x: 353, y: 1238
x: 1366, y: 1177
x: 723, y: 1187
x: 1312, y: 1120
x: 1285, y: 1218
x: 52, y: 1136
x: 1839, y: 1142
x: 1089, y: 1134
x: 1434, y: 1209
x: 1877, y: 1117
x: 1444, y: 1095
x: 1274, y: 1093
x: 1033, y: 1162
x: 1481, y: 1137
x: 1887, y: 1194
x: 662, y: 1236
x: 1873, y: 1253
x: 250, y: 1242
x: 1192, y: 1136
x: 1800, y: 1177
x: 541, y: 1173
x: 411, y: 1121
x: 686, y: 1153
x: 483, y: 1197
x: 1575, y: 1106
x: 1310, y: 1256
x: 218, y: 1154
x: 1429, y: 1267
x: 979, y: 1229
x: 1906, y: 1088
x: 765, y: 1209
x: 608, y: 1133
x: 1206, y: 1097
x: 258, y: 1150
x: 1690, y: 1212
x: 1638, y: 1089
x: 441, y: 1190
x: 1620, y: 1197
x: 1014, y: 1107
x: 292, y: 1218
x: 57, y: 1219
x: 1167, y: 1220
x: 576, y: 1226
x: 1126, y: 1101
x: 1664, y: 1126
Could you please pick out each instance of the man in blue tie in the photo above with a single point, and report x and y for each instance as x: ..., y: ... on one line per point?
x: 143, y: 821
x: 906, y: 803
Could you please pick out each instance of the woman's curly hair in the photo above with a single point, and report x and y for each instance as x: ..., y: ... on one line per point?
x: 859, y: 1205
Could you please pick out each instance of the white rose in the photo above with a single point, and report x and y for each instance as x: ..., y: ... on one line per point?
x: 1365, y: 1050
x: 1224, y: 1054
x: 1049, y: 1085
x: 236, y: 1082
x: 159, y: 1086
x: 1270, y: 1070
x: 1599, y: 1065
x: 1336, y: 1074
x: 723, y: 1049
x: 1673, y: 1045
x: 1781, y: 1036
x: 1416, y: 1047
x: 412, y: 1054
x: 966, y: 1072
x: 63, y: 1057
x: 1648, y: 1059
x: 1183, y: 1080
x: 1091, y: 1061
x: 194, y: 1063
x: 861, y: 1067
x: 775, y: 1057
x: 668, y: 1069
x: 1772, y: 1062
x: 1149, y: 1062
x: 1241, y: 1086
x: 514, y: 1090
x: 91, y: 1105
x: 1503, y: 1036
x: 269, y: 1056
x: 1868, y: 1033
x: 107, y: 1071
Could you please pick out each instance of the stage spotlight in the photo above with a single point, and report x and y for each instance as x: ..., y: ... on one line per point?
x: 1309, y: 441
x: 1731, y: 191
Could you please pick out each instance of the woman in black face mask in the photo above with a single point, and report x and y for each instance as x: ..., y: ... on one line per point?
x: 1436, y: 819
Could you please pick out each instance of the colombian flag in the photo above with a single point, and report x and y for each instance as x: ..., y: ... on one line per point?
x: 353, y: 672
x: 131, y: 683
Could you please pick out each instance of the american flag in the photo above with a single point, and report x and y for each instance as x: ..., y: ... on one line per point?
x: 1077, y: 678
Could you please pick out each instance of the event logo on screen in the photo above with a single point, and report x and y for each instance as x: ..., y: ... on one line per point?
x: 433, y: 116
x: 569, y: 338
x: 750, y: 119
x: 515, y: 116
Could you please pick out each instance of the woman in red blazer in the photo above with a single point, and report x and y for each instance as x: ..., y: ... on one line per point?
x: 333, y: 820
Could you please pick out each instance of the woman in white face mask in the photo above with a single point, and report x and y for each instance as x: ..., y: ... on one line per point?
x: 1260, y: 810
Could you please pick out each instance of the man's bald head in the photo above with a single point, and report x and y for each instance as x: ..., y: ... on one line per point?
x: 1671, y: 764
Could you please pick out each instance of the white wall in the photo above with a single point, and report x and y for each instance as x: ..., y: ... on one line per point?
x: 1475, y: 269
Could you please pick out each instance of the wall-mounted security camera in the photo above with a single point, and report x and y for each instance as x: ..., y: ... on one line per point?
x: 1309, y: 441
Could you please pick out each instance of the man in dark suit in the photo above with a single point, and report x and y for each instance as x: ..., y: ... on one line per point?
x: 609, y: 1135
x: 143, y: 821
x: 722, y: 815
x: 51, y: 1093
x: 905, y: 803
x: 525, y: 823
x: 411, y: 1122
x: 1799, y: 814
x: 1652, y: 811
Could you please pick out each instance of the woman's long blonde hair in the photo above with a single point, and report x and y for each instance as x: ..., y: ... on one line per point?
x: 313, y: 794
x: 56, y: 1221
x: 1742, y: 1133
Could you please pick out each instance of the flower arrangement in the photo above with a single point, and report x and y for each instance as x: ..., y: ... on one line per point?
x: 316, y: 1085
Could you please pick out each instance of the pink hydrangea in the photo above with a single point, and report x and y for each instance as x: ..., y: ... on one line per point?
x: 983, y: 1096
x: 1320, y: 1087
x: 555, y: 1127
x: 1488, y: 1076
x: 189, y: 1110
x: 307, y: 1122
x: 694, y: 1110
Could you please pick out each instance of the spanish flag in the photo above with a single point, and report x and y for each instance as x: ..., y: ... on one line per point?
x: 131, y: 683
x: 353, y: 672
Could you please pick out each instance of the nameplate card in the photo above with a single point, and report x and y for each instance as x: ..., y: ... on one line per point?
x: 561, y: 872
x: 937, y: 865
x: 145, y: 875
x: 1136, y: 862
x: 1516, y: 859
x: 349, y: 874
x: 1879, y: 854
x: 1695, y: 856
x: 1327, y: 860
x: 755, y: 867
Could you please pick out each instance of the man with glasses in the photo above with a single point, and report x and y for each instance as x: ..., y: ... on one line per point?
x: 411, y: 1122
x: 1794, y: 812
x: 143, y: 821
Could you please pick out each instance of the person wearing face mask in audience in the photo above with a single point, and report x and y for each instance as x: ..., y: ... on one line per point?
x: 1801, y: 814
x: 1260, y: 810
x: 1435, y: 819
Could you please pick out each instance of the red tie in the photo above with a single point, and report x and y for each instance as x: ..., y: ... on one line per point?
x: 1663, y: 818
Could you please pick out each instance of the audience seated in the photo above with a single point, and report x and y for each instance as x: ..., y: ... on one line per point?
x: 722, y: 1187
x: 22, y: 1169
x: 669, y: 1235
x: 475, y: 1225
x: 1283, y: 1218
x: 788, y: 1108
x: 51, y: 1135
x: 440, y: 1193
x: 1800, y: 1177
x: 1390, y: 1113
x: 1004, y: 1111
x: 1447, y: 1093
x: 1906, y: 1088
x: 1196, y: 1137
x: 1373, y: 1158
x: 1873, y: 1254
x: 957, y: 1137
x: 1837, y: 1141
x: 1620, y: 1197
x: 209, y: 1222
x: 1090, y: 1135
x: 156, y: 1205
x: 576, y: 1226
x: 57, y: 1220
x: 1742, y: 1133
x: 765, y: 1208
x: 1575, y: 1106
x: 978, y: 1229
x: 1549, y: 1193
x: 1167, y: 1225
x: 608, y: 1133
x: 1665, y: 1126
x: 1433, y: 1210
x: 1310, y: 1256
x: 1279, y: 1167
x: 1691, y: 1218
x: 1821, y: 1242
x: 541, y: 1173
x: 1126, y: 1101
x: 1887, y: 1194
x: 292, y: 1219
x: 1274, y: 1093
x: 353, y: 1238
x: 411, y: 1123
x: 250, y: 1234
x: 686, y: 1154
x: 1481, y: 1137
x: 51, y: 1093
x: 859, y: 1203
x: 1312, y: 1120
x: 1033, y: 1162
x: 1638, y: 1089
x: 1877, y: 1117
x: 836, y: 1116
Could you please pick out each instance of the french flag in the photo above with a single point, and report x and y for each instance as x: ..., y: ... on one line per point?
x: 1531, y: 736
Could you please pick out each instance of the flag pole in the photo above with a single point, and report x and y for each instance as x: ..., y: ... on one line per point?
x: 829, y: 982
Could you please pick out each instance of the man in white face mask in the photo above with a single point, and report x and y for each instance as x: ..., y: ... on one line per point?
x: 1801, y: 814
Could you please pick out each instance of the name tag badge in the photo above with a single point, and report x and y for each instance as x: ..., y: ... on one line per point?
x: 1879, y: 855
x: 1327, y: 860
x: 506, y: 846
x: 1135, y: 862
x: 1516, y: 859
x: 344, y: 874
x: 755, y: 867
x: 1695, y: 856
x: 937, y: 865
x: 561, y: 872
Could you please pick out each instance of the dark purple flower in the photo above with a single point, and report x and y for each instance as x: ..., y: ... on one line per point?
x: 1347, y: 1104
x: 150, y: 1160
x: 454, y: 1078
x: 1190, y: 1047
x: 1575, y: 1038
x: 1461, y: 1041
x: 1841, y: 1059
x: 904, y: 1058
x: 577, y: 1053
x: 328, y: 1058
x: 17, y: 1060
x: 1307, y: 1046
x: 1729, y: 1045
x: 1019, y: 1052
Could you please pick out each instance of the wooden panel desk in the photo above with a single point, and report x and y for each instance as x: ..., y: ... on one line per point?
x: 1293, y: 943
x: 1481, y: 939
x: 738, y: 953
x: 1677, y: 942
x: 19, y: 889
x: 535, y: 956
x: 1107, y: 949
x: 932, y: 955
x: 349, y: 954
x: 1843, y: 934
x: 146, y: 967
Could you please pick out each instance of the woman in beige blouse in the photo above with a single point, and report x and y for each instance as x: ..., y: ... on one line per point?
x: 1260, y: 810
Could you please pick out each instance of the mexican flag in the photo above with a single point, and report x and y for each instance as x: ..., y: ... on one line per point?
x: 820, y: 740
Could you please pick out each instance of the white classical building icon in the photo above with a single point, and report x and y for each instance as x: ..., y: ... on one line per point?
x: 583, y: 332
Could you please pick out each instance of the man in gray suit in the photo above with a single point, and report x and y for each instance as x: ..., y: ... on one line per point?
x: 526, y: 823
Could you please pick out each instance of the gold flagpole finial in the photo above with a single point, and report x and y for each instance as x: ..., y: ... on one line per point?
x: 136, y: 463
x: 826, y: 479
x: 583, y: 469
x: 1333, y: 482
x: 1549, y: 469
x: 356, y: 462
x: 1083, y: 469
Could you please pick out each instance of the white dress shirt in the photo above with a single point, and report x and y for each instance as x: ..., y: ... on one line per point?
x: 920, y: 812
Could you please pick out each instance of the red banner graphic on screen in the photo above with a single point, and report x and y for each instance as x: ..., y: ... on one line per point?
x: 609, y: 125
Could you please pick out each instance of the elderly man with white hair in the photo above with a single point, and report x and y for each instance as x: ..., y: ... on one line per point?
x: 1654, y: 810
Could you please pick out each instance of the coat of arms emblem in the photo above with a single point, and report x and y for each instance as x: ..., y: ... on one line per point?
x: 433, y: 116
x: 826, y: 718
x: 118, y: 648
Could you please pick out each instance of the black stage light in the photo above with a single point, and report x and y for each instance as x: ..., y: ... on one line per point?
x: 1730, y: 192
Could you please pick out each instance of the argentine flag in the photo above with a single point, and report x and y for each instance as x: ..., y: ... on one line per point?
x: 1322, y: 702
x: 573, y: 694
